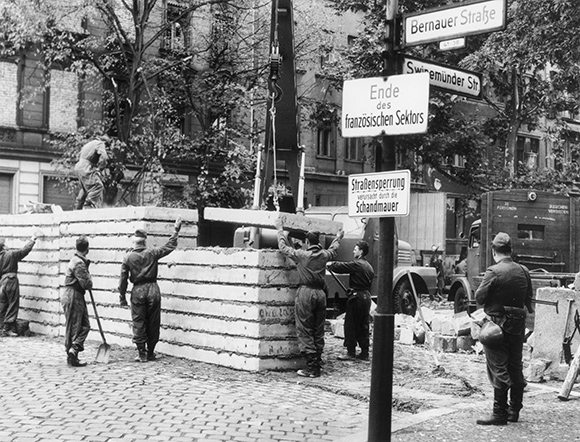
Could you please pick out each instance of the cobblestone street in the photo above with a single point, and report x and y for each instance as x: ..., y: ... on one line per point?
x: 171, y: 399
x: 175, y: 399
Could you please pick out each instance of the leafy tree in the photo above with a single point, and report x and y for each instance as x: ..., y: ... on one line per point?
x: 530, y: 70
x: 119, y: 51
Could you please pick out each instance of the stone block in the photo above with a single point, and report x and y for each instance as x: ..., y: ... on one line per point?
x: 478, y: 316
x: 442, y: 325
x: 465, y: 343
x: 475, y: 330
x: 428, y: 314
x: 397, y: 333
x: 462, y: 323
x: 263, y: 218
x: 445, y: 343
x: 419, y: 333
x: 402, y: 320
x: 550, y: 327
x: 407, y: 336
x: 535, y: 369
x: 337, y: 327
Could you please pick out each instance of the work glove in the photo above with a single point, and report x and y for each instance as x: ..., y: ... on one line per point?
x: 123, y: 301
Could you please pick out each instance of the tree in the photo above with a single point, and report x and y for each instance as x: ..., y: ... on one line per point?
x: 530, y: 70
x: 118, y: 52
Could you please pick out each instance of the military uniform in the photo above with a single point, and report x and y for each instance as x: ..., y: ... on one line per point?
x: 310, y: 302
x: 10, y: 287
x: 358, y: 304
x: 140, y: 267
x: 504, y: 292
x: 92, y: 160
x: 77, y: 326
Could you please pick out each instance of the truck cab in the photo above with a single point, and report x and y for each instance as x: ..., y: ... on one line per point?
x: 357, y: 229
x: 544, y: 234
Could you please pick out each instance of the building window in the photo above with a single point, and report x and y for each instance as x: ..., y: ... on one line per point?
x: 354, y: 149
x: 177, y: 35
x: 324, y: 142
x: 6, y: 180
x: 172, y: 195
x: 527, y: 151
x: 32, y: 95
x: 55, y: 192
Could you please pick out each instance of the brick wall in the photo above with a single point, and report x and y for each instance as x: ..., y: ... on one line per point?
x: 226, y: 306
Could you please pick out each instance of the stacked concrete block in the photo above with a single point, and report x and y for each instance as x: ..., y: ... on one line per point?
x: 227, y: 306
x: 551, y: 327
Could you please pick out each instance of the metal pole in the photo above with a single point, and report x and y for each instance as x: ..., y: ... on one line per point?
x: 381, y: 397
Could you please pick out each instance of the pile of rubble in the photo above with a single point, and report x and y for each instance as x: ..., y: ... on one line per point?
x: 441, y: 330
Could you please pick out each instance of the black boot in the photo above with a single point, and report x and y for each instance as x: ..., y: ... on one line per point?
x: 142, y: 356
x: 73, y: 358
x: 500, y: 407
x: 516, y: 399
x: 350, y: 355
x: 151, y: 352
x: 363, y: 355
x: 313, y: 369
x: 319, y: 359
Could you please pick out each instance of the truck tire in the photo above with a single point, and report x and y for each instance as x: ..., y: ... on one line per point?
x: 460, y: 302
x: 404, y: 301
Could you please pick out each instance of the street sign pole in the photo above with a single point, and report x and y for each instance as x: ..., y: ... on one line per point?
x: 381, y: 395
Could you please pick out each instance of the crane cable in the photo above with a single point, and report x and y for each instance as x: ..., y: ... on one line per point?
x: 273, y: 126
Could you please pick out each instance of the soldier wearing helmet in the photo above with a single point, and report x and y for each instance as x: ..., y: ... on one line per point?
x: 504, y: 292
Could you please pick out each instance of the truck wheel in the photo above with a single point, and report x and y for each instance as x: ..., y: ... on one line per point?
x: 404, y: 300
x: 461, y: 301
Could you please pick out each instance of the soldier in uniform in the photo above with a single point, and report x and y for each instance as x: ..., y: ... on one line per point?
x: 140, y: 267
x: 76, y: 281
x: 504, y: 292
x: 358, y: 304
x: 89, y: 169
x: 310, y: 303
x: 9, y: 285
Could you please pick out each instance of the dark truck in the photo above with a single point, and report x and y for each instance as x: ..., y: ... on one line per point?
x: 356, y: 229
x: 544, y: 233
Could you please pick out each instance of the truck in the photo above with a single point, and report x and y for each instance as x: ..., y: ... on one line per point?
x: 544, y: 233
x: 357, y: 229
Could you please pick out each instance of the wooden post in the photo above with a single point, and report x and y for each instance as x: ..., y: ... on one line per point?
x: 570, y: 377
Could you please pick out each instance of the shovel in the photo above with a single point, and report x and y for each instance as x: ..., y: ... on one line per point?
x: 104, y: 350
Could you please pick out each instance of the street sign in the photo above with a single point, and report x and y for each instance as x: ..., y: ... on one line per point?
x: 449, y: 45
x: 454, y: 20
x: 393, y: 105
x: 380, y: 194
x: 446, y: 78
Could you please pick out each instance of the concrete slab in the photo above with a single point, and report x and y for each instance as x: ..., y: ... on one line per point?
x: 550, y: 327
x: 264, y: 218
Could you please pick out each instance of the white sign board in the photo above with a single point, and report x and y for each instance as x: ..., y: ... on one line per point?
x: 454, y: 20
x: 393, y: 105
x: 449, y: 45
x: 380, y: 194
x: 446, y: 78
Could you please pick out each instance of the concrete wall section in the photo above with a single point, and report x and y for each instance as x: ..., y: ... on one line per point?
x: 232, y: 307
x: 550, y: 327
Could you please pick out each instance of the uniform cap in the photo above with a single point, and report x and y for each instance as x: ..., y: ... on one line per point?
x: 140, y: 233
x: 501, y: 240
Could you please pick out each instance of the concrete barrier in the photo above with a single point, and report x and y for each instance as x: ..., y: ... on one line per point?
x: 226, y: 306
